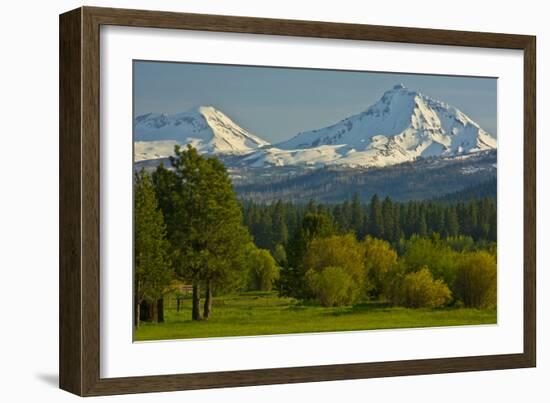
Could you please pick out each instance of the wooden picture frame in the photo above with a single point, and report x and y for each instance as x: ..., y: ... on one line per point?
x: 79, y: 346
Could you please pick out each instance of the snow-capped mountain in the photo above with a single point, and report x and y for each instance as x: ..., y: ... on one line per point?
x: 400, y: 127
x: 204, y: 127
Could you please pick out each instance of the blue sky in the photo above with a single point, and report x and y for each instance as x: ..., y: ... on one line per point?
x: 277, y: 103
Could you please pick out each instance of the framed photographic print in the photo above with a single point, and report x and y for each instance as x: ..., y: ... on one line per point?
x: 249, y: 201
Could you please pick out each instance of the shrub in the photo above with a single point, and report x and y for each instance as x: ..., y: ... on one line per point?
x: 476, y: 280
x: 418, y: 290
x: 333, y: 286
x: 380, y: 258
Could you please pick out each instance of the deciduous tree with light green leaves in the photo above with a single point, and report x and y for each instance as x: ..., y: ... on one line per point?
x: 263, y: 271
x: 435, y: 254
x: 476, y: 280
x: 333, y: 286
x: 418, y: 290
x: 380, y: 258
x: 344, y: 254
x: 292, y: 280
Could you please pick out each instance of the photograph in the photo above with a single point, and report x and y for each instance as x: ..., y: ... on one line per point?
x: 275, y: 200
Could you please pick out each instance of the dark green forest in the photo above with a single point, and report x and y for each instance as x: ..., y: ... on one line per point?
x: 272, y: 224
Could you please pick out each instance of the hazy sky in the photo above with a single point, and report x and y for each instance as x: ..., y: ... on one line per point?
x: 277, y: 103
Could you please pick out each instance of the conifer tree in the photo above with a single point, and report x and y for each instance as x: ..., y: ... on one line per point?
x: 422, y: 226
x: 451, y: 222
x: 376, y: 221
x: 153, y: 270
x: 357, y: 216
x: 280, y: 229
x: 210, y: 238
x: 388, y: 219
x: 292, y: 280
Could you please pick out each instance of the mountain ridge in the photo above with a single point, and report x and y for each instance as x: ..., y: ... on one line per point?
x: 204, y: 127
x: 401, y: 126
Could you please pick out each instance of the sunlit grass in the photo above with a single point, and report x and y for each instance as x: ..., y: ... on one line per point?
x: 265, y: 313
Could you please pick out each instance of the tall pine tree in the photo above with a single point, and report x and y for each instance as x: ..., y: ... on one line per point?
x: 153, y: 270
x: 376, y: 220
x: 210, y: 239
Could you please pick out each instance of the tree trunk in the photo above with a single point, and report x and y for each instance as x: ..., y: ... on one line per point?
x: 208, y: 300
x: 160, y: 310
x: 136, y: 304
x: 152, y: 312
x: 145, y: 311
x: 137, y: 313
x: 196, y: 313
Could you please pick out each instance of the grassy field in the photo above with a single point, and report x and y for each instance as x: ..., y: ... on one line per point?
x: 265, y: 313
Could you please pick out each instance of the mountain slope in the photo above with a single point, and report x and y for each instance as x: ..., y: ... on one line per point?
x: 422, y: 179
x: 205, y: 128
x: 478, y: 191
x: 400, y: 127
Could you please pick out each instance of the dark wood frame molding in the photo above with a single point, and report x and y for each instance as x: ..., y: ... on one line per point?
x: 79, y: 200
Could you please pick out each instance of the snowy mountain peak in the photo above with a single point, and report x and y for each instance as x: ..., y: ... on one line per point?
x: 204, y: 127
x: 403, y: 124
x: 400, y: 89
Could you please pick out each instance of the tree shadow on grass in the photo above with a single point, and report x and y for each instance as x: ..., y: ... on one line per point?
x: 371, y: 306
x: 360, y: 308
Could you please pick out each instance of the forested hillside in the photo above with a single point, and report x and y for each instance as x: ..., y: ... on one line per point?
x: 422, y: 179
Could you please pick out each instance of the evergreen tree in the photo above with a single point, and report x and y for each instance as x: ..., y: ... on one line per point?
x: 397, y: 224
x: 422, y: 227
x: 292, y: 280
x: 451, y: 223
x: 280, y: 229
x: 164, y: 181
x: 493, y: 225
x: 153, y: 270
x: 469, y: 219
x: 376, y: 221
x: 357, y: 216
x: 388, y: 219
x: 484, y: 219
x: 210, y: 238
x: 346, y: 217
x: 264, y: 230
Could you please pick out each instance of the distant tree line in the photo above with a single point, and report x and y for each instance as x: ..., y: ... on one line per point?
x: 272, y: 225
x: 478, y: 191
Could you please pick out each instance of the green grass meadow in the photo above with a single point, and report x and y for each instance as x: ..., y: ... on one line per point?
x: 264, y: 313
